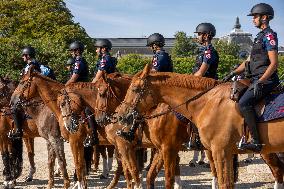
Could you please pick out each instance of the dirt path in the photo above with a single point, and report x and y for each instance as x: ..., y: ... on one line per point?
x: 255, y: 175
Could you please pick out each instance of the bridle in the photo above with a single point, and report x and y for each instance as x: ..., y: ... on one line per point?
x: 141, y: 118
x: 110, y: 93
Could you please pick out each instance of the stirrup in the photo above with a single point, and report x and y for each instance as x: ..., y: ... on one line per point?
x: 126, y: 135
x: 243, y: 145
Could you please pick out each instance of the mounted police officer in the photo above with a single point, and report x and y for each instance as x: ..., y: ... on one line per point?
x: 161, y: 62
x: 261, y: 68
x: 28, y: 55
x: 208, y: 59
x: 80, y: 73
x: 106, y: 63
x: 206, y: 65
x: 80, y: 70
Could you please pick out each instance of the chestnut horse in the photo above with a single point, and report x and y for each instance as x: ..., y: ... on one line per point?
x: 34, y: 85
x: 111, y: 92
x: 75, y: 97
x: 207, y: 104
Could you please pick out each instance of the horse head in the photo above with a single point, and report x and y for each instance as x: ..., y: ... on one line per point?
x: 25, y: 90
x: 7, y: 87
x: 139, y: 99
x: 71, y: 109
x: 110, y: 95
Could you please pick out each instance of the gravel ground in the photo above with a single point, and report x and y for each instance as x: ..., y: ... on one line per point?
x: 255, y: 175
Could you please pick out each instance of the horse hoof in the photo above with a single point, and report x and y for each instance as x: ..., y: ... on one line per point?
x: 28, y: 179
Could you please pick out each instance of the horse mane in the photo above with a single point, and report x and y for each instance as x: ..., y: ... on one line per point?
x: 182, y: 80
x: 81, y: 85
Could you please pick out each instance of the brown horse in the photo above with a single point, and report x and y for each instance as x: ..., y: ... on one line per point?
x: 75, y: 97
x: 206, y: 103
x: 35, y: 85
x: 112, y: 90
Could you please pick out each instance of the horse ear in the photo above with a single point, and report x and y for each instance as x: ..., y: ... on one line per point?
x: 145, y: 71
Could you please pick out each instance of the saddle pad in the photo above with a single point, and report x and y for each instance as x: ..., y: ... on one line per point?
x: 274, y: 107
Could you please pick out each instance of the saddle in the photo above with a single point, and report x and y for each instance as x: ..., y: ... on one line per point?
x: 270, y: 107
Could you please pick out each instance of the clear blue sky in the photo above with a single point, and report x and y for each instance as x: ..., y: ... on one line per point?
x: 138, y: 18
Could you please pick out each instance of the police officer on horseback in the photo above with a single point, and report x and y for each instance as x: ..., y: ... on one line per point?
x: 106, y: 63
x: 208, y: 59
x: 80, y: 73
x: 28, y: 55
x: 161, y: 62
x: 206, y: 65
x: 261, y: 68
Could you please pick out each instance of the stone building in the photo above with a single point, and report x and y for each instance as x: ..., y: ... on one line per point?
x: 238, y: 36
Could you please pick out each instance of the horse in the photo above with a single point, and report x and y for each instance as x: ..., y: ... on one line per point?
x: 207, y: 104
x: 11, y: 152
x: 75, y: 97
x: 34, y: 85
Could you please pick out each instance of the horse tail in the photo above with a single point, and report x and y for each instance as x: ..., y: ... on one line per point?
x: 140, y: 158
x: 7, y: 168
x: 17, y: 157
x: 235, y: 167
x: 88, y: 154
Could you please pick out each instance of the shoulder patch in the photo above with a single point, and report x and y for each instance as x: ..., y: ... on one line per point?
x: 270, y: 36
x: 208, y: 54
x: 77, y: 65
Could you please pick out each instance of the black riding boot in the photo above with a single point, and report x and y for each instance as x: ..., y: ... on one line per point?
x: 254, y: 144
x: 130, y: 135
x: 92, y: 139
x: 18, y: 121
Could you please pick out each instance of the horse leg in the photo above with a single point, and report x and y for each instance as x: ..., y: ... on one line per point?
x: 96, y: 157
x: 110, y: 152
x: 127, y: 175
x: 274, y: 164
x: 77, y: 149
x: 102, y: 150
x: 177, y: 184
x: 51, y: 162
x: 58, y: 146
x: 29, y: 142
x: 116, y: 176
x: 224, y: 166
x: 169, y: 157
x: 214, y: 181
x: 155, y: 167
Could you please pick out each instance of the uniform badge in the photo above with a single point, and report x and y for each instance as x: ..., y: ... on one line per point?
x: 272, y: 42
x: 154, y: 62
x: 270, y: 36
x: 208, y: 54
x: 102, y: 64
x: 77, y: 65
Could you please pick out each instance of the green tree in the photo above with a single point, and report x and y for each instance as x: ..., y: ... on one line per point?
x: 225, y: 48
x: 184, y: 46
x: 46, y: 25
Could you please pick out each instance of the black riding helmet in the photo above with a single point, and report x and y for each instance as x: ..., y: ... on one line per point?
x: 103, y: 43
x: 29, y: 51
x: 206, y: 28
x: 262, y: 9
x: 157, y: 39
x: 70, y: 62
x: 76, y: 45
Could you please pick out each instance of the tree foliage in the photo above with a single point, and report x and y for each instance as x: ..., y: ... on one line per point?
x: 46, y: 25
x: 225, y: 48
x: 184, y: 46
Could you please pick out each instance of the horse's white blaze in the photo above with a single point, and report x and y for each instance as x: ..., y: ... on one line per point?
x: 214, y: 183
x: 177, y: 184
x: 278, y: 185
